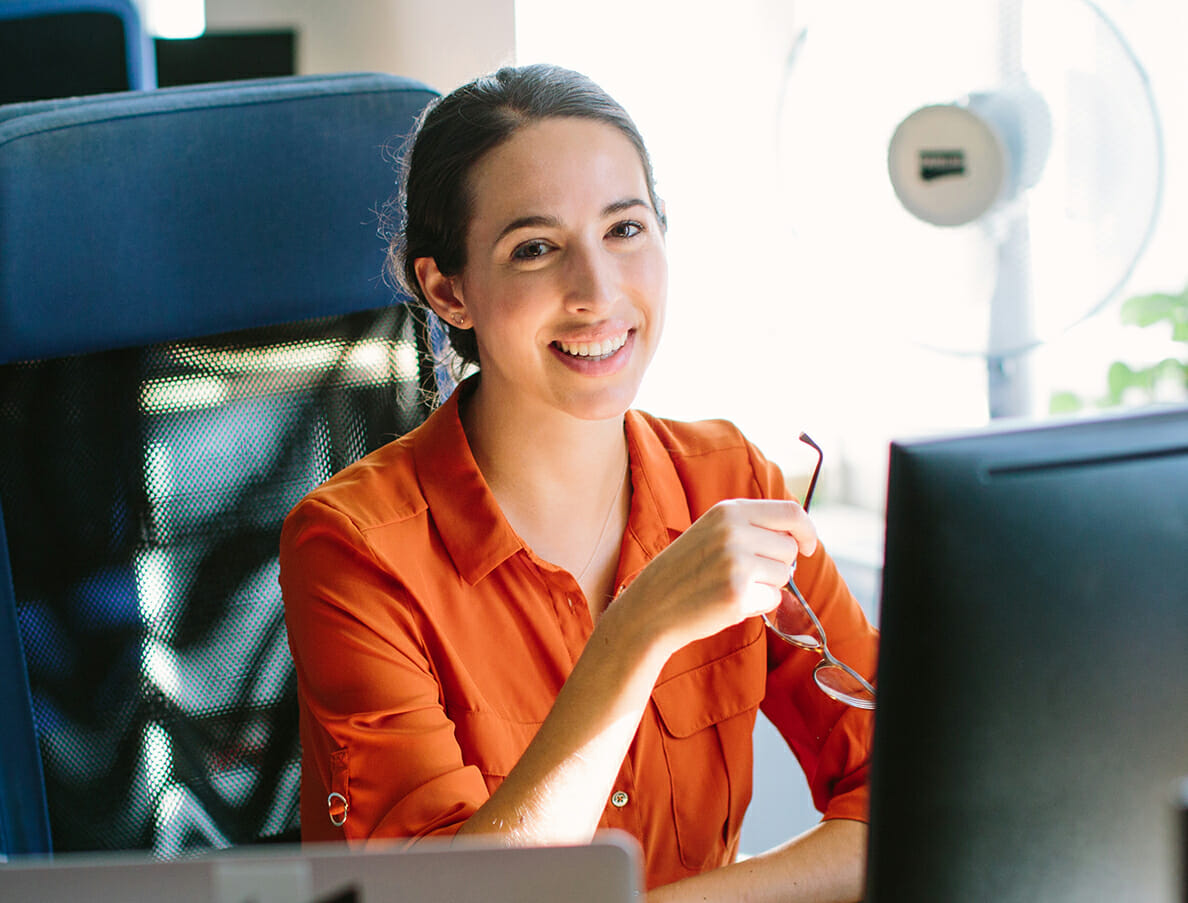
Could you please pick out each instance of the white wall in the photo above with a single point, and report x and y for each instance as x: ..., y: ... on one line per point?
x: 444, y: 43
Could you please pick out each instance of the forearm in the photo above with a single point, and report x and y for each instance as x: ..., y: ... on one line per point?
x: 826, y: 864
x: 557, y: 791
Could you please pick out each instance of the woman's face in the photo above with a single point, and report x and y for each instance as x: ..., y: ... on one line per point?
x: 566, y: 274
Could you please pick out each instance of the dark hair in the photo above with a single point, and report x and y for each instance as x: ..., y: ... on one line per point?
x: 453, y: 134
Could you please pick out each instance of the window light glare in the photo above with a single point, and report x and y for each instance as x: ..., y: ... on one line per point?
x: 175, y: 18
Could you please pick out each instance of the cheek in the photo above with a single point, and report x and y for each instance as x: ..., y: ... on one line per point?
x: 651, y: 276
x: 487, y: 300
x: 508, y: 314
x: 662, y: 280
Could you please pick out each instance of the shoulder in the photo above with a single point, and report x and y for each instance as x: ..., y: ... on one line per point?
x: 379, y: 489
x: 712, y: 458
x: 692, y: 439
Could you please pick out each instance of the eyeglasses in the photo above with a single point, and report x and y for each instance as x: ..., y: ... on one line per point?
x: 796, y: 622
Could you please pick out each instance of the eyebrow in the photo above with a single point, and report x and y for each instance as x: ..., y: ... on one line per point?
x: 538, y: 220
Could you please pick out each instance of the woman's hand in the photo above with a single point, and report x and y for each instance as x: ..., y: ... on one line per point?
x: 729, y: 566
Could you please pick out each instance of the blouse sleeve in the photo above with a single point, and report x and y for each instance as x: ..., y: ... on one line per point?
x: 374, y: 729
x: 831, y: 740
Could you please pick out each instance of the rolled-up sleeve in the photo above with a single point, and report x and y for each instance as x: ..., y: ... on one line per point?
x: 831, y: 740
x: 377, y: 743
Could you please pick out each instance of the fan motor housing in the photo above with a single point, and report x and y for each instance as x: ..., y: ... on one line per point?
x: 948, y: 164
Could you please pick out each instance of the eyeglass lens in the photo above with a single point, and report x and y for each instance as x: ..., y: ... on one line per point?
x: 793, y: 623
x: 843, y: 684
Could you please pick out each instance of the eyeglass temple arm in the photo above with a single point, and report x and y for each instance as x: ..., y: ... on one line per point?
x: 808, y: 496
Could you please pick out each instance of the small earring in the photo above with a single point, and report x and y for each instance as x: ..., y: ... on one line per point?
x: 459, y: 319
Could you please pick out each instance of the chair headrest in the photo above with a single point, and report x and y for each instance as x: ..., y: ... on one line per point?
x: 138, y: 217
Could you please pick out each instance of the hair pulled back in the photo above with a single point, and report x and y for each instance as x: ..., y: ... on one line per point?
x: 435, y: 202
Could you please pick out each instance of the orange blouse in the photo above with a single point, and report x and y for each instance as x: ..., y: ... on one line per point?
x: 430, y: 643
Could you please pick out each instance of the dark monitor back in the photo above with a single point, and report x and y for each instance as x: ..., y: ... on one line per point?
x: 1033, y: 677
x: 63, y: 54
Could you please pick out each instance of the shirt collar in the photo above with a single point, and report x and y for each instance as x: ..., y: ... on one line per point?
x: 469, y: 521
x: 478, y: 537
x: 659, y: 506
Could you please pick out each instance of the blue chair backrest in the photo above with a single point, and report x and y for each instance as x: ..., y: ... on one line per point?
x: 24, y: 822
x: 194, y: 332
x: 64, y: 48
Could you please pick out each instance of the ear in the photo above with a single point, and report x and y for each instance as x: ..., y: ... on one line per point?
x: 442, y: 292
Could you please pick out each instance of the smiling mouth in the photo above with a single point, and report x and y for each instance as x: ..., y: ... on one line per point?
x: 593, y: 351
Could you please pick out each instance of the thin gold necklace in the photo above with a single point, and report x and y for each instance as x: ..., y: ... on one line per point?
x: 605, y: 521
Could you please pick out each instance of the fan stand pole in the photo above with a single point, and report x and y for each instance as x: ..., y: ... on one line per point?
x: 1009, y: 373
x: 1008, y: 386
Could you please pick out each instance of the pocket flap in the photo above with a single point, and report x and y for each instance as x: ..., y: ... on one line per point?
x: 717, y: 689
x: 491, y: 742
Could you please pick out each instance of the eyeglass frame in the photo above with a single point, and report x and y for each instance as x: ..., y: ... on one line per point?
x: 827, y: 657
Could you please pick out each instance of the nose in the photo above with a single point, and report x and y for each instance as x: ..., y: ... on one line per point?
x: 592, y: 279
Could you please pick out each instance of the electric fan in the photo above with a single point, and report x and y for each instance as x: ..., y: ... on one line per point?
x: 984, y: 174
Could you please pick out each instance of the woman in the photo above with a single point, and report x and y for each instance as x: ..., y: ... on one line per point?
x: 539, y: 613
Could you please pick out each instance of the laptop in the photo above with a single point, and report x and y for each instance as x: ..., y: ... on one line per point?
x: 605, y: 871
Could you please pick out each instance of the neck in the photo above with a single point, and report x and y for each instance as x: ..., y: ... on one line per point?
x: 562, y: 484
x: 538, y: 454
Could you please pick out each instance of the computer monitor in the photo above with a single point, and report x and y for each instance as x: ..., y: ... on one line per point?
x: 1032, y: 720
x: 1184, y: 841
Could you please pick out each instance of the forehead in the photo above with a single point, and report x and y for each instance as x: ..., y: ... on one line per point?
x: 555, y: 166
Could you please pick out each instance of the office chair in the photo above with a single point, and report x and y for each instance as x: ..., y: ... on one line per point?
x: 66, y: 48
x: 194, y: 332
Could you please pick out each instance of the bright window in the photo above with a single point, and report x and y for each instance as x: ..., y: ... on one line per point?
x: 778, y: 343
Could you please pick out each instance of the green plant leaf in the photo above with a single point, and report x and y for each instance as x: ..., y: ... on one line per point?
x: 1121, y: 378
x: 1065, y: 403
x: 1171, y: 370
x: 1144, y: 310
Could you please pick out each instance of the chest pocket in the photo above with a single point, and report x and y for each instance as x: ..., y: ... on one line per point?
x: 708, y: 714
x: 491, y: 743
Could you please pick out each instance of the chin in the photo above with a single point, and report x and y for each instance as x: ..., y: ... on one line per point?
x: 606, y: 405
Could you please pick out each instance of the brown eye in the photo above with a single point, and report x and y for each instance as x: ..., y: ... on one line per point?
x: 530, y: 250
x: 625, y: 229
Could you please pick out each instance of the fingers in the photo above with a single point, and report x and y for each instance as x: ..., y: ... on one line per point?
x: 731, y: 564
x: 750, y: 547
x: 781, y: 549
x: 783, y: 516
x: 761, y: 598
x: 781, y: 523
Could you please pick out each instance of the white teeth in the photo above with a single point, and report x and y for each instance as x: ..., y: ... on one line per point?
x: 594, y: 349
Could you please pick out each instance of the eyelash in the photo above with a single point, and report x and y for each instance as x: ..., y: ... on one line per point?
x: 521, y: 251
